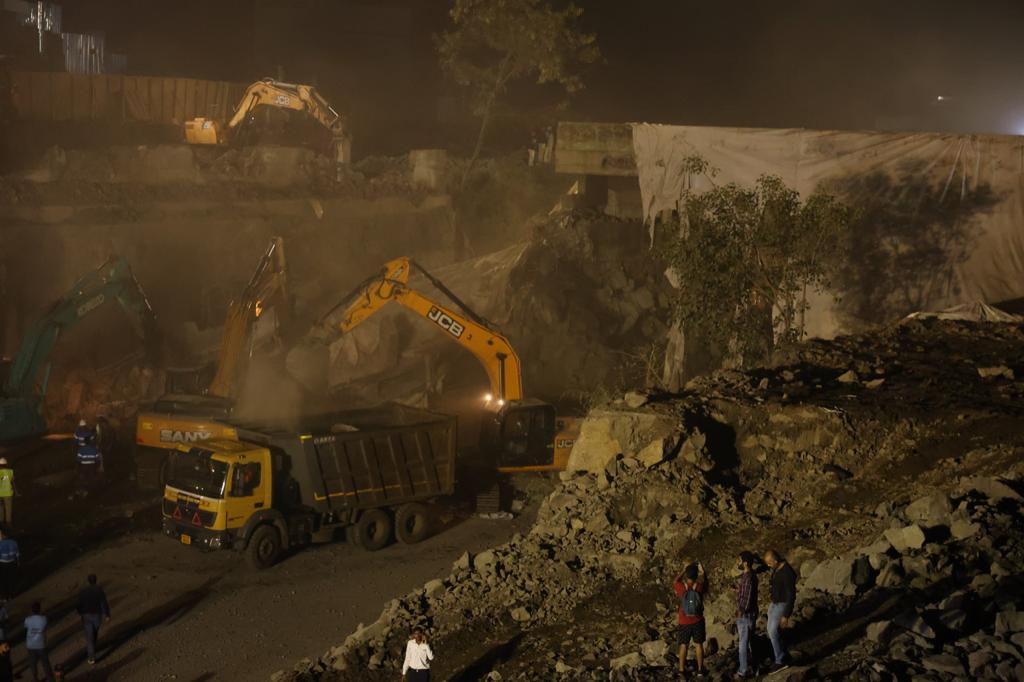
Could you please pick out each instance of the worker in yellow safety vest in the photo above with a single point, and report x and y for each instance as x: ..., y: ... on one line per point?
x: 6, y: 493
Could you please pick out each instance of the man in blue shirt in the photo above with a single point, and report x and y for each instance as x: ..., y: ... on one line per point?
x: 83, y: 434
x: 90, y: 460
x: 35, y: 642
x: 9, y: 558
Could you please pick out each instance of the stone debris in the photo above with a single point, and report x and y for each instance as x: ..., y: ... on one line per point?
x: 909, y: 573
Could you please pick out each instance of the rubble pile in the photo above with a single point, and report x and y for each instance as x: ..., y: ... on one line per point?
x: 947, y: 573
x: 587, y: 303
x: 583, y: 303
x: 112, y: 393
x: 898, y: 502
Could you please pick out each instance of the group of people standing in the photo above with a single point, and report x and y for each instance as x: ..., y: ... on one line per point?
x: 93, y: 609
x: 691, y: 587
x: 93, y: 606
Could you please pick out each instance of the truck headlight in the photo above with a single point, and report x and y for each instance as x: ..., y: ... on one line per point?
x: 216, y: 542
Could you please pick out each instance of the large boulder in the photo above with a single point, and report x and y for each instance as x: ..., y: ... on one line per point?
x: 929, y: 511
x: 627, y: 662
x: 908, y: 537
x: 834, y: 576
x: 606, y: 433
x: 993, y: 488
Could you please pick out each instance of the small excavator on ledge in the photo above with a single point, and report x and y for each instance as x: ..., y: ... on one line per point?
x: 272, y: 93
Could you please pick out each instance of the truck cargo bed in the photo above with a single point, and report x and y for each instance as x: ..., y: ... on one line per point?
x: 380, y: 457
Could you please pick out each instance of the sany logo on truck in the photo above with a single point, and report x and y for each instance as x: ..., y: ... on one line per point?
x: 172, y: 436
x: 445, y: 322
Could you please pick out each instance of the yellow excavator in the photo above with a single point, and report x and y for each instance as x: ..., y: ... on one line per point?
x: 520, y: 434
x: 187, y: 418
x: 272, y: 93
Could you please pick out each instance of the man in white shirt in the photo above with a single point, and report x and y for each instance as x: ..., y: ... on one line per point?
x: 417, y: 658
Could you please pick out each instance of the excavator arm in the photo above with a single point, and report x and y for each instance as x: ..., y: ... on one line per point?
x: 20, y: 415
x: 287, y: 96
x: 463, y: 326
x: 269, y: 92
x: 524, y: 434
x: 268, y: 286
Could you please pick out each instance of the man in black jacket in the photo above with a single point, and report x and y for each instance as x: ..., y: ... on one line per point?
x: 93, y: 608
x: 783, y: 598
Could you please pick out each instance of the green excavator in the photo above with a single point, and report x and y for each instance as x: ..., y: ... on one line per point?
x: 21, y: 401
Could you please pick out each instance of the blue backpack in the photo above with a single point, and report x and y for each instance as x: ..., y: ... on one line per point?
x: 691, y: 603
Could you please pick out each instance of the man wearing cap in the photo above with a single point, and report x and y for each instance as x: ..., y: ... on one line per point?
x: 6, y: 493
x: 83, y: 434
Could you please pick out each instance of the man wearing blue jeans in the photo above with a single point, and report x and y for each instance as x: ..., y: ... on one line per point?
x: 746, y: 609
x: 783, y: 594
x: 93, y: 608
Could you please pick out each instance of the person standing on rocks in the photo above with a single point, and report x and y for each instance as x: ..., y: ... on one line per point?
x: 93, y: 608
x: 691, y: 586
x: 746, y: 609
x: 783, y: 595
x: 418, y: 656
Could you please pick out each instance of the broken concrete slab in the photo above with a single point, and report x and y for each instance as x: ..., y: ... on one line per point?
x: 607, y: 433
x: 930, y: 510
x: 905, y: 538
x: 991, y: 487
x: 833, y: 576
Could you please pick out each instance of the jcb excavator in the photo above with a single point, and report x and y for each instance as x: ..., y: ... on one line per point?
x: 521, y: 434
x: 21, y: 406
x: 269, y: 92
x: 184, y: 418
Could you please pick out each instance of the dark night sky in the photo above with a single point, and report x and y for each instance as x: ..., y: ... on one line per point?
x: 814, y: 63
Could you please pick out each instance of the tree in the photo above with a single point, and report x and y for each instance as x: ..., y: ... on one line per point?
x: 493, y: 43
x: 746, y: 258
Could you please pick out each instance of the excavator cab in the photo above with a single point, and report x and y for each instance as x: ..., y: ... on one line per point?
x: 521, y: 436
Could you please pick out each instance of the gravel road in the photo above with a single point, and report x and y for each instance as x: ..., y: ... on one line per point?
x: 180, y: 614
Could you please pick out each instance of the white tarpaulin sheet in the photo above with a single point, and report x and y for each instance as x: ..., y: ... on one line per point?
x: 969, y: 312
x: 947, y: 208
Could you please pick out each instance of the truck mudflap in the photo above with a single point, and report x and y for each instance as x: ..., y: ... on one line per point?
x: 195, y: 536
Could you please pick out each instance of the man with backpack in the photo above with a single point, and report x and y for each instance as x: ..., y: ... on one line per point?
x: 691, y: 586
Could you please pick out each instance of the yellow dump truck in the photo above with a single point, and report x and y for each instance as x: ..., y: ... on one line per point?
x: 367, y: 474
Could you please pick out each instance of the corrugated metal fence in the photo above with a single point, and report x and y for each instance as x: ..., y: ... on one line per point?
x: 45, y: 96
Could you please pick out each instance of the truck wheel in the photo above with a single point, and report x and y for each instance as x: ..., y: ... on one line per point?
x: 373, y: 529
x: 412, y: 523
x: 352, y: 535
x: 264, y: 547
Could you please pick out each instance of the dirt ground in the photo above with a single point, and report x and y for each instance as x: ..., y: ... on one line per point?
x: 182, y: 614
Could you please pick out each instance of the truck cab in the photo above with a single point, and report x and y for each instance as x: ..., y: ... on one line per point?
x: 216, y: 491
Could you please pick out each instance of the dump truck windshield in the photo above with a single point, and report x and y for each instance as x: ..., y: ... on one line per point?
x: 196, y: 473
